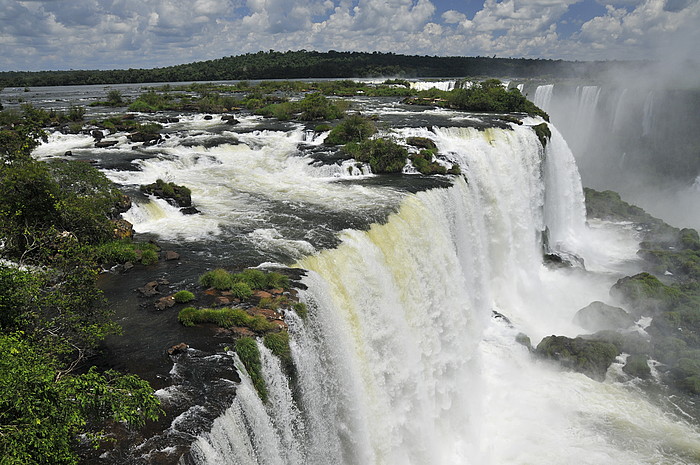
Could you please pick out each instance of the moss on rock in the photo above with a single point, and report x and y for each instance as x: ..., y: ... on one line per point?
x: 590, y: 357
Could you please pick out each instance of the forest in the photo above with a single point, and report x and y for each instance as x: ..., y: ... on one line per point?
x: 310, y: 64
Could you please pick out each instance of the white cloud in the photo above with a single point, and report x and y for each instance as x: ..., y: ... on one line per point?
x: 453, y: 17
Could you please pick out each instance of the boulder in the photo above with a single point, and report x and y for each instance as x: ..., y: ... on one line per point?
x: 170, y: 255
x: 103, y: 144
x: 149, y: 289
x: 122, y: 229
x: 144, y: 136
x: 165, y: 302
x: 599, y: 316
x: 208, y: 117
x: 68, y: 153
x: 178, y: 348
x: 189, y: 211
x: 230, y: 119
x: 97, y: 134
x: 637, y: 366
x: 123, y: 204
x: 590, y: 357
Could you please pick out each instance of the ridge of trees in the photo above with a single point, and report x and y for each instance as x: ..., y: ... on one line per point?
x: 311, y: 64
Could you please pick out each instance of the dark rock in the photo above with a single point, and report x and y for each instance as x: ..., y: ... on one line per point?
x: 103, y: 144
x: 590, y: 357
x: 178, y: 348
x: 644, y: 294
x: 167, y: 120
x: 598, y: 316
x: 208, y: 117
x: 144, y: 137
x: 97, y: 134
x: 628, y: 342
x: 165, y: 302
x: 68, y: 153
x: 149, y: 289
x: 189, y: 211
x: 421, y: 143
x: 170, y: 255
x: 561, y: 259
x: 499, y: 316
x: 524, y: 339
x: 230, y: 119
x: 163, y: 282
x: 128, y: 266
x: 177, y: 195
x: 123, y: 204
x: 637, y: 366
x: 122, y: 229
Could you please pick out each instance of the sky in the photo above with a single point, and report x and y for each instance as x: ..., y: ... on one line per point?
x: 108, y: 34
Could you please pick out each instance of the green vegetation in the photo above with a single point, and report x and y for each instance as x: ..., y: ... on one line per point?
x: 252, y: 279
x: 312, y: 107
x: 54, y: 217
x: 354, y: 128
x: 180, y: 195
x: 278, y: 343
x: 247, y: 350
x: 332, y: 64
x: 301, y: 309
x: 125, y: 250
x: 487, y: 96
x: 383, y: 155
x: 543, y: 133
x: 182, y: 297
x: 587, y: 356
x: 225, y: 318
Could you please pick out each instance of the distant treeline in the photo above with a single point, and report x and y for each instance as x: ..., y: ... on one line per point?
x: 305, y: 64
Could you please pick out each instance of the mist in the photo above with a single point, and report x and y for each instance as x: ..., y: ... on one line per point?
x: 634, y: 131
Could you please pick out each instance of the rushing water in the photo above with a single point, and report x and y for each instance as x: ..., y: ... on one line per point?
x: 401, y: 359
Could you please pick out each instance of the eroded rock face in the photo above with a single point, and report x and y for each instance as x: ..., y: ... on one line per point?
x: 590, y: 357
x: 122, y: 229
x: 598, y: 316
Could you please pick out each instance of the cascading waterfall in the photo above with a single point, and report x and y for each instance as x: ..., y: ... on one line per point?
x: 440, y: 85
x: 399, y: 360
x: 543, y: 96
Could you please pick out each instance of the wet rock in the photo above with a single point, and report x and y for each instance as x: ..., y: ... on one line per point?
x: 97, y: 134
x: 103, y: 144
x: 637, y: 366
x: 165, y: 302
x: 598, y: 316
x: 123, y: 204
x: 178, y: 348
x: 208, y: 117
x: 230, y: 119
x: 68, y: 153
x: 222, y: 301
x: 170, y: 255
x: 189, y: 211
x: 127, y: 266
x: 149, y: 289
x: 587, y: 356
x: 262, y: 295
x: 501, y: 317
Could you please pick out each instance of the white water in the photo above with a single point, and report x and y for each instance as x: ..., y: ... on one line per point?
x: 440, y: 85
x: 400, y: 362
x: 543, y: 96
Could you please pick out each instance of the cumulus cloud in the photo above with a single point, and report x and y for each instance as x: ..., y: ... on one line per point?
x: 135, y: 33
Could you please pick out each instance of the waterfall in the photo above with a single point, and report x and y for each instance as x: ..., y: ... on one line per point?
x: 440, y: 85
x: 399, y: 360
x: 543, y: 96
x: 617, y: 115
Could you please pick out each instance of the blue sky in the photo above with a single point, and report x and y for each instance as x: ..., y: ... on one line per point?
x: 104, y: 34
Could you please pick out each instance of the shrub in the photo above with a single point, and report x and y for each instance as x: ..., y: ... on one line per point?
x: 278, y: 343
x: 241, y: 290
x: 354, y: 128
x: 383, y: 155
x: 218, y: 279
x: 120, y: 251
x: 275, y: 280
x: 183, y: 297
x: 225, y: 318
x: 301, y: 309
x: 247, y: 350
x: 149, y: 257
x: 253, y: 278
